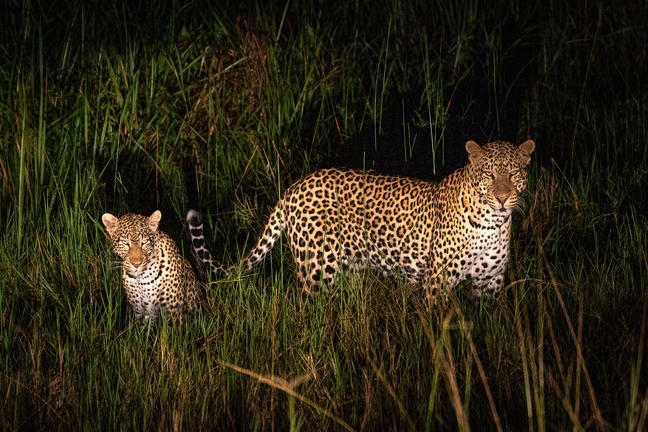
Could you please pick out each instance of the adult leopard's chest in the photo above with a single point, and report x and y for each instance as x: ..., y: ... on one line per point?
x: 486, y: 253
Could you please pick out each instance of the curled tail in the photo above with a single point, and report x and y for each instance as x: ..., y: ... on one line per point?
x: 194, y: 220
x: 267, y: 240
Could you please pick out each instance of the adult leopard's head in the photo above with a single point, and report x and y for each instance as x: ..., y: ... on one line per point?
x: 133, y: 238
x: 498, y: 171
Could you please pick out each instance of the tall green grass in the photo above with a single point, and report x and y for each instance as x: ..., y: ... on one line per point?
x: 187, y: 104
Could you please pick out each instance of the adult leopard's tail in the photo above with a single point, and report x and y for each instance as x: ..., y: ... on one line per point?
x: 194, y: 220
x: 266, y: 242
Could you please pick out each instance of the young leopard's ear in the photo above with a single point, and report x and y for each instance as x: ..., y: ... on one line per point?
x: 475, y: 152
x: 154, y: 220
x: 524, y: 151
x: 110, y: 222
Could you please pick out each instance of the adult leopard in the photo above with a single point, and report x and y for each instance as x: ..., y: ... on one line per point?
x: 433, y: 234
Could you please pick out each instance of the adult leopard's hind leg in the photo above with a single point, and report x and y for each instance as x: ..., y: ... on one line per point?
x: 320, y: 274
x: 317, y: 262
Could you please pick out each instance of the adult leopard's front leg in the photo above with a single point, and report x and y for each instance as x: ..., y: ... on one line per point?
x: 437, y: 287
x: 492, y: 286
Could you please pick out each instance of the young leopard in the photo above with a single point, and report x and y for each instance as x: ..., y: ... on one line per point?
x: 155, y: 274
x: 432, y: 234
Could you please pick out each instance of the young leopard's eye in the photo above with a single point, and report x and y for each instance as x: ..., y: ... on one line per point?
x: 145, y: 242
x: 515, y: 172
x: 489, y: 175
x: 124, y: 242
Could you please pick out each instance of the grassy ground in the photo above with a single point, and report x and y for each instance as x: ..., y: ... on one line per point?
x: 192, y: 105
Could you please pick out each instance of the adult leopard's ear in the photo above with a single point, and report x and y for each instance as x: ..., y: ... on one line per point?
x: 110, y: 222
x: 475, y: 152
x: 524, y: 151
x: 154, y: 220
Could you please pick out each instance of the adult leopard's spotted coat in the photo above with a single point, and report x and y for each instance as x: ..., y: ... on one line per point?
x: 432, y: 234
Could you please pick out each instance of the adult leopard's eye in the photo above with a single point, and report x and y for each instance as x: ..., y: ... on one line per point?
x: 489, y: 175
x: 145, y: 242
x: 515, y: 172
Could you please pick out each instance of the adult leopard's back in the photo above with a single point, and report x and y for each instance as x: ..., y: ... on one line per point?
x: 432, y: 234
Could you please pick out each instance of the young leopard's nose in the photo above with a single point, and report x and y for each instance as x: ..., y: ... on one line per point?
x: 135, y: 255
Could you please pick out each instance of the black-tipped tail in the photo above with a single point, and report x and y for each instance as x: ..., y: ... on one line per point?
x: 194, y: 222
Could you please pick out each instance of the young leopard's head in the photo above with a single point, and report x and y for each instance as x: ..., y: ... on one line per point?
x: 133, y: 238
x: 498, y: 173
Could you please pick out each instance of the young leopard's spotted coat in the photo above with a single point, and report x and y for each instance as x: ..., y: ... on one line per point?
x: 155, y: 274
x: 432, y: 234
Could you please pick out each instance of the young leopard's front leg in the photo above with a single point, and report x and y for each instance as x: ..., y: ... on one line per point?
x: 177, y: 315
